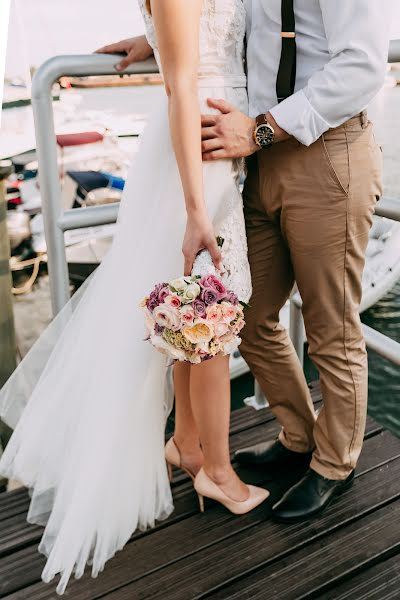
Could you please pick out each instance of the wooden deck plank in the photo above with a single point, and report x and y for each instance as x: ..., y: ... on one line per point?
x: 324, y: 565
x: 380, y: 582
x: 266, y: 542
x: 191, y: 544
x: 16, y: 533
x: 192, y: 555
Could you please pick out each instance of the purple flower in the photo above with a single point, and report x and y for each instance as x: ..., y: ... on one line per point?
x: 215, y: 284
x: 158, y: 288
x: 157, y: 296
x: 232, y: 298
x: 209, y: 296
x: 199, y: 308
x: 163, y: 293
x: 158, y: 329
x: 153, y: 301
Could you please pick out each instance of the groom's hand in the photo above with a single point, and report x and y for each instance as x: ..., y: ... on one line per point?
x: 230, y: 134
x: 227, y: 135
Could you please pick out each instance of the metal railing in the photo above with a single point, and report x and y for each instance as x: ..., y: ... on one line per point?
x: 57, y: 220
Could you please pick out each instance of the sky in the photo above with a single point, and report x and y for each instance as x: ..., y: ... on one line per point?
x: 42, y: 28
x: 39, y: 29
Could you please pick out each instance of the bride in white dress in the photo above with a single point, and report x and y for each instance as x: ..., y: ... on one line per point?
x: 88, y: 403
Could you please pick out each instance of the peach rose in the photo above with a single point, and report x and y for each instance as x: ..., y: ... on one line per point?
x: 200, y: 331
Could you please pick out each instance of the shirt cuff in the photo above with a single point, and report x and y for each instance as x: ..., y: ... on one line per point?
x: 296, y: 116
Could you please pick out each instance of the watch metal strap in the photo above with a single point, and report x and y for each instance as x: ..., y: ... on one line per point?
x: 286, y: 78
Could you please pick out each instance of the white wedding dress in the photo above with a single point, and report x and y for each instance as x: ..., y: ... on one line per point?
x: 88, y: 403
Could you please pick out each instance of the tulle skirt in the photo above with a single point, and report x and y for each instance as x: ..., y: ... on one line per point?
x: 89, y: 402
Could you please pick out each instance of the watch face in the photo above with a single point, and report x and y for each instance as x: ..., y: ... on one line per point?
x: 264, y: 135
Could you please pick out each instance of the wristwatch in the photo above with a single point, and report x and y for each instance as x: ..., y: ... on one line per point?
x: 264, y: 132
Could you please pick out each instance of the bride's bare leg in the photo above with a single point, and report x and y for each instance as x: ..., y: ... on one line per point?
x: 186, y: 434
x: 211, y: 403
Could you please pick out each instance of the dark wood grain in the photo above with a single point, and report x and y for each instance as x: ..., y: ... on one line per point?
x: 349, y: 549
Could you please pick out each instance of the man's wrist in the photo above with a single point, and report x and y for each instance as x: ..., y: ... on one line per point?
x: 280, y: 135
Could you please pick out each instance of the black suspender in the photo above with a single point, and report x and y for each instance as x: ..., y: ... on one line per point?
x: 286, y: 78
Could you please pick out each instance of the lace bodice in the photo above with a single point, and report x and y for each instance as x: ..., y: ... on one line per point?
x: 222, y: 31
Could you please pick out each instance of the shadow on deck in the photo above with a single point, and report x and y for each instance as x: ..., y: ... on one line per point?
x: 351, y: 552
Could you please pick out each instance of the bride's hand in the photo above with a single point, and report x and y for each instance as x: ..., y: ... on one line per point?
x: 199, y: 235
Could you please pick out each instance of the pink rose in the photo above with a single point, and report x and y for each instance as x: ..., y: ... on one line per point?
x: 187, y: 315
x: 229, y: 312
x: 214, y: 313
x: 215, y: 284
x: 173, y: 300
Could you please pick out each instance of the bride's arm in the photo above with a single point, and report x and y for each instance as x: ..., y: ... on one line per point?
x: 177, y: 29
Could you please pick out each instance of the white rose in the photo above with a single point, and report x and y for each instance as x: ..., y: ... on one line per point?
x: 220, y: 329
x: 232, y: 345
x: 191, y: 293
x: 179, y: 284
x: 167, y: 316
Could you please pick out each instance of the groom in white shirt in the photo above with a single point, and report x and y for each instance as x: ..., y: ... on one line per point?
x: 314, y: 176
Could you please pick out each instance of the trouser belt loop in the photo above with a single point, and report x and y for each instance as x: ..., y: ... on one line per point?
x: 364, y: 119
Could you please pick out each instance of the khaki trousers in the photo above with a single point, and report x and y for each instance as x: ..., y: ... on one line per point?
x: 308, y: 213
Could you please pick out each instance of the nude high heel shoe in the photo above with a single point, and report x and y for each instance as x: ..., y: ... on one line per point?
x: 173, y: 458
x: 207, y: 488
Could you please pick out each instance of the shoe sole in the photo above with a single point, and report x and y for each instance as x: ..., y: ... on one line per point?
x: 343, y: 488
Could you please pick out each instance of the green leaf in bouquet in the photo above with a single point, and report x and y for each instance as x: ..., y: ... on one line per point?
x: 244, y: 304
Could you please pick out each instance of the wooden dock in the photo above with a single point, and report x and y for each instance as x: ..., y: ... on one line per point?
x: 351, y: 552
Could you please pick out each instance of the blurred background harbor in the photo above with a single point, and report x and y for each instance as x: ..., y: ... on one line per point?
x: 118, y: 115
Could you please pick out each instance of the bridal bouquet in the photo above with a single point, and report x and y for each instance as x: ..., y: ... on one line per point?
x: 194, y: 318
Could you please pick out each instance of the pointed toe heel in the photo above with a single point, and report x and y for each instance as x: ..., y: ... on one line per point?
x: 207, y: 488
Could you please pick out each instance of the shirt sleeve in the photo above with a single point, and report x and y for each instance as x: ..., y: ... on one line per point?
x: 358, y: 43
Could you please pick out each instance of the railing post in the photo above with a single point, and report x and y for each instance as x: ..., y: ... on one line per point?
x: 50, y: 189
x: 54, y: 219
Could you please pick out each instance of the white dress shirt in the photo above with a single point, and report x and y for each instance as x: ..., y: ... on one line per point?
x: 342, y: 50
